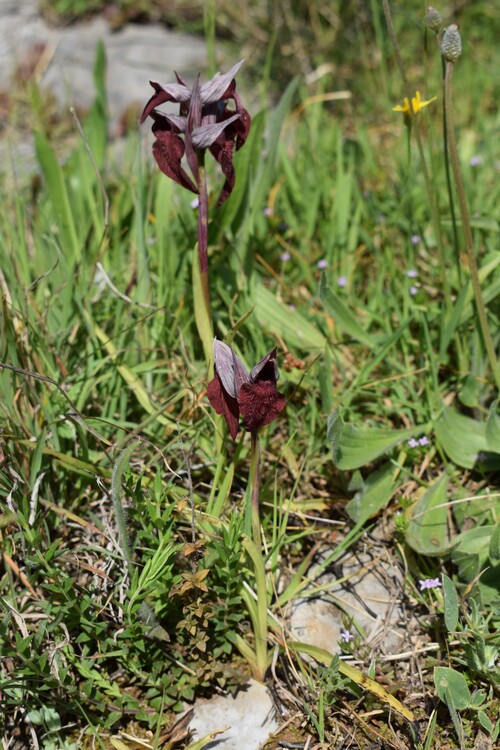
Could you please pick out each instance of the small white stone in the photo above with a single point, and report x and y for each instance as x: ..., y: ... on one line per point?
x: 249, y: 717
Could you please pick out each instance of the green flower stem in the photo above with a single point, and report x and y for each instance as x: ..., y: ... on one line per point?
x: 408, y: 178
x: 464, y: 213
x: 428, y: 182
x: 448, y: 184
x: 255, y: 487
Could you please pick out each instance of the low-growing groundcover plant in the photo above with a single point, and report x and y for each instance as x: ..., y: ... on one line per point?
x: 147, y: 558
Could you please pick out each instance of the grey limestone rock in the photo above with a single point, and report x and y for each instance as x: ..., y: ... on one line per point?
x: 135, y: 54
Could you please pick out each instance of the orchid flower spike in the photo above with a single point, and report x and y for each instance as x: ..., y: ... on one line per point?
x: 204, y: 122
x: 234, y: 391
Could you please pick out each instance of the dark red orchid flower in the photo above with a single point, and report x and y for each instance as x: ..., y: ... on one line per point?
x: 204, y: 122
x: 234, y: 391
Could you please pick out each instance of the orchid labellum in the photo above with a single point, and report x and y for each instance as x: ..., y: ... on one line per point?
x: 234, y: 391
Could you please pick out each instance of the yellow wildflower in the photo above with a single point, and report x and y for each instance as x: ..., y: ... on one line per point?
x: 416, y: 104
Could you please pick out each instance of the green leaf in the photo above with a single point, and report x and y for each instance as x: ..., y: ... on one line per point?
x: 274, y: 124
x: 468, y: 565
x: 496, y: 731
x: 476, y: 541
x: 208, y: 739
x: 486, y: 223
x: 494, y: 548
x: 201, y: 313
x: 60, y: 202
x: 478, y: 698
x: 493, y: 428
x: 36, y: 717
x: 95, y: 126
x: 470, y: 391
x: 344, y: 318
x: 155, y: 567
x: 131, y: 378
x: 71, y: 463
x: 427, y: 531
x: 490, y: 291
x: 471, y: 551
x: 450, y: 604
x: 451, y: 687
x: 258, y: 614
x: 352, y: 673
x: 293, y: 327
x: 37, y: 457
x: 485, y: 722
x: 375, y: 493
x: 452, y: 322
x: 99, y: 71
x: 354, y: 447
x: 380, y: 354
x: 325, y: 382
x: 462, y: 438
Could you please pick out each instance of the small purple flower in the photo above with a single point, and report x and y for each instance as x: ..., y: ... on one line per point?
x: 341, y: 282
x: 423, y: 440
x: 411, y: 273
x: 285, y: 257
x: 292, y: 307
x: 415, y: 239
x: 412, y: 443
x: 429, y: 583
x: 413, y: 290
x: 476, y: 160
x: 346, y: 636
x: 195, y: 203
x: 323, y: 263
x: 268, y: 211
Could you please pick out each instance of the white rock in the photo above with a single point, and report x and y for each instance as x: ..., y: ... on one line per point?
x: 249, y: 717
x: 371, y: 597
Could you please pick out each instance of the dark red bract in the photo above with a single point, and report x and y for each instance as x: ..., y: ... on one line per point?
x: 234, y: 391
x: 204, y: 122
x: 224, y: 404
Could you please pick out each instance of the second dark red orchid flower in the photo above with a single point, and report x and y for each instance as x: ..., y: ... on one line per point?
x: 203, y: 122
x: 234, y: 391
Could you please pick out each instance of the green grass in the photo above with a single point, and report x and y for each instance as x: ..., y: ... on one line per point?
x: 123, y: 528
